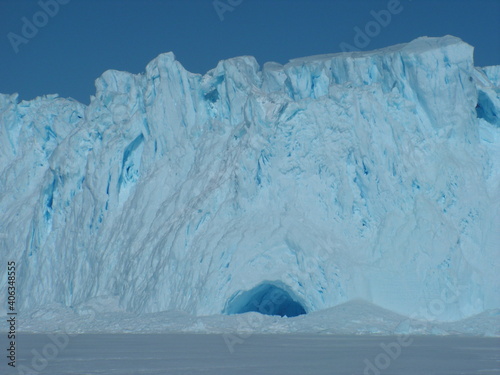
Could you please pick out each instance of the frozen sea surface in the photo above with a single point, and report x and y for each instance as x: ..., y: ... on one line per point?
x: 288, y: 354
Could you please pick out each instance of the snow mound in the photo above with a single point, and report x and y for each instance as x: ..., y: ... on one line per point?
x: 354, y: 317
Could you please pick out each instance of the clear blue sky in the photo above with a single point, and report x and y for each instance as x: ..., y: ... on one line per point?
x: 83, y: 38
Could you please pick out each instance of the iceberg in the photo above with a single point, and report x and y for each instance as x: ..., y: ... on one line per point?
x: 353, y: 176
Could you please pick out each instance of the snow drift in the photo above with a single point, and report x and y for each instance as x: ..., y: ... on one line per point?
x: 364, y: 175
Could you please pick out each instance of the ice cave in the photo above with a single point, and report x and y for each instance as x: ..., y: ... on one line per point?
x: 268, y: 299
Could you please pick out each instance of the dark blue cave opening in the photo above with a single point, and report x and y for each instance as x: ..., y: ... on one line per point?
x: 267, y: 299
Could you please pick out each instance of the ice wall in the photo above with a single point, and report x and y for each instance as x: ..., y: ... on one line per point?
x: 367, y: 175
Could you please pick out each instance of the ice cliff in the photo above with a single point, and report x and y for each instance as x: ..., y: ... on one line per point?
x: 364, y: 175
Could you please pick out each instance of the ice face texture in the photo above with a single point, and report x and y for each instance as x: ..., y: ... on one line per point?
x: 371, y: 175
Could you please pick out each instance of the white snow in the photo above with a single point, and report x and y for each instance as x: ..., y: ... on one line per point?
x: 364, y: 175
x: 354, y: 317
